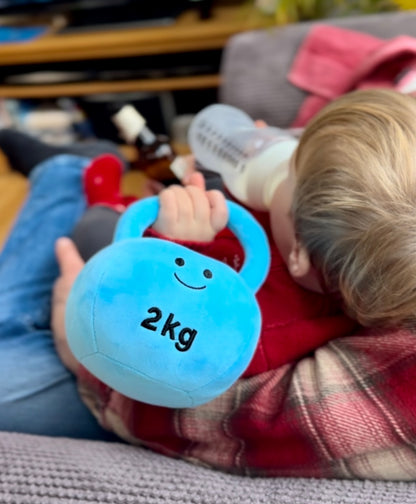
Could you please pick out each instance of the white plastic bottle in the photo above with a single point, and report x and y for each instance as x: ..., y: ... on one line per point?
x: 252, y: 161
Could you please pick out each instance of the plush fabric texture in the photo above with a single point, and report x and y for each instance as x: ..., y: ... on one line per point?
x: 161, y: 323
x: 346, y: 60
x: 42, y: 470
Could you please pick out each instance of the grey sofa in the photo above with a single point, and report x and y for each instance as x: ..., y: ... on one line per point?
x: 42, y: 470
x: 36, y: 469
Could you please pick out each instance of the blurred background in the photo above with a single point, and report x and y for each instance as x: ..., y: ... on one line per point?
x: 66, y: 65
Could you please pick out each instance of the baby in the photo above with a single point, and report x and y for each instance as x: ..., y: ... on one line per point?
x: 322, y: 396
x: 350, y: 189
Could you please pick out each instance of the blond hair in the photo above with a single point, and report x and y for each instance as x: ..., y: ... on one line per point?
x: 354, y: 205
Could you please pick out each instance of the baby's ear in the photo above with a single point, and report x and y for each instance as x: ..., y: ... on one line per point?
x: 299, y: 263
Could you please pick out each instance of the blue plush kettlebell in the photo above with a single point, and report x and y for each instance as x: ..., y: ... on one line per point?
x: 161, y: 323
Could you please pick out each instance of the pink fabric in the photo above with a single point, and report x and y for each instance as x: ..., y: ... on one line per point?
x: 333, y: 61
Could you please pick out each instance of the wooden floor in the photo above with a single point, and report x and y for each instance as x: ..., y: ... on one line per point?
x: 14, y: 187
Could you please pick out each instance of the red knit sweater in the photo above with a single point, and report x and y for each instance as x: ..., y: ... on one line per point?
x: 295, y: 321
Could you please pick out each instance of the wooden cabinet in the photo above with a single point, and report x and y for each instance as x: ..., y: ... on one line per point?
x: 187, y: 34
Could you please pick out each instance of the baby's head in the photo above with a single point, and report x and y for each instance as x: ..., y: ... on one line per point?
x: 354, y: 206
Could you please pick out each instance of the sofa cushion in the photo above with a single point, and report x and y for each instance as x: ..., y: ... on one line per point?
x: 35, y: 469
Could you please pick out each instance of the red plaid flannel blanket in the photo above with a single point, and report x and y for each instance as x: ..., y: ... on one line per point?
x: 341, y: 406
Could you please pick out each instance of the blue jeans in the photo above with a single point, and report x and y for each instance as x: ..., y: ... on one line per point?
x: 38, y: 395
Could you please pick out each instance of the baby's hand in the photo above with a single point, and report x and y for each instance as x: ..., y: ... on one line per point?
x: 191, y: 213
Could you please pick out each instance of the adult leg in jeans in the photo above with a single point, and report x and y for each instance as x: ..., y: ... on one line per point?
x: 38, y: 394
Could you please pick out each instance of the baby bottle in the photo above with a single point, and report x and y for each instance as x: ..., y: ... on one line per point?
x: 252, y: 161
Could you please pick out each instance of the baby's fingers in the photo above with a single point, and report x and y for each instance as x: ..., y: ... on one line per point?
x: 219, y: 210
x: 168, y: 212
x: 196, y: 179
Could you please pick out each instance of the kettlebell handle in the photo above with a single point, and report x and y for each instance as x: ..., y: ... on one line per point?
x: 143, y: 213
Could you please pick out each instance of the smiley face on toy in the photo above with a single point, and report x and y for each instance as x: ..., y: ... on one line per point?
x: 179, y: 261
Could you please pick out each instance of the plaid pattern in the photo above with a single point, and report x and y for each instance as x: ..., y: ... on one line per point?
x: 345, y: 410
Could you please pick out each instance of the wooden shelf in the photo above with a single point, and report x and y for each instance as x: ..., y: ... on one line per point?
x: 187, y: 33
x: 94, y: 87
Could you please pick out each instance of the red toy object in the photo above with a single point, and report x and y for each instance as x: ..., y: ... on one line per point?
x: 102, y: 183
